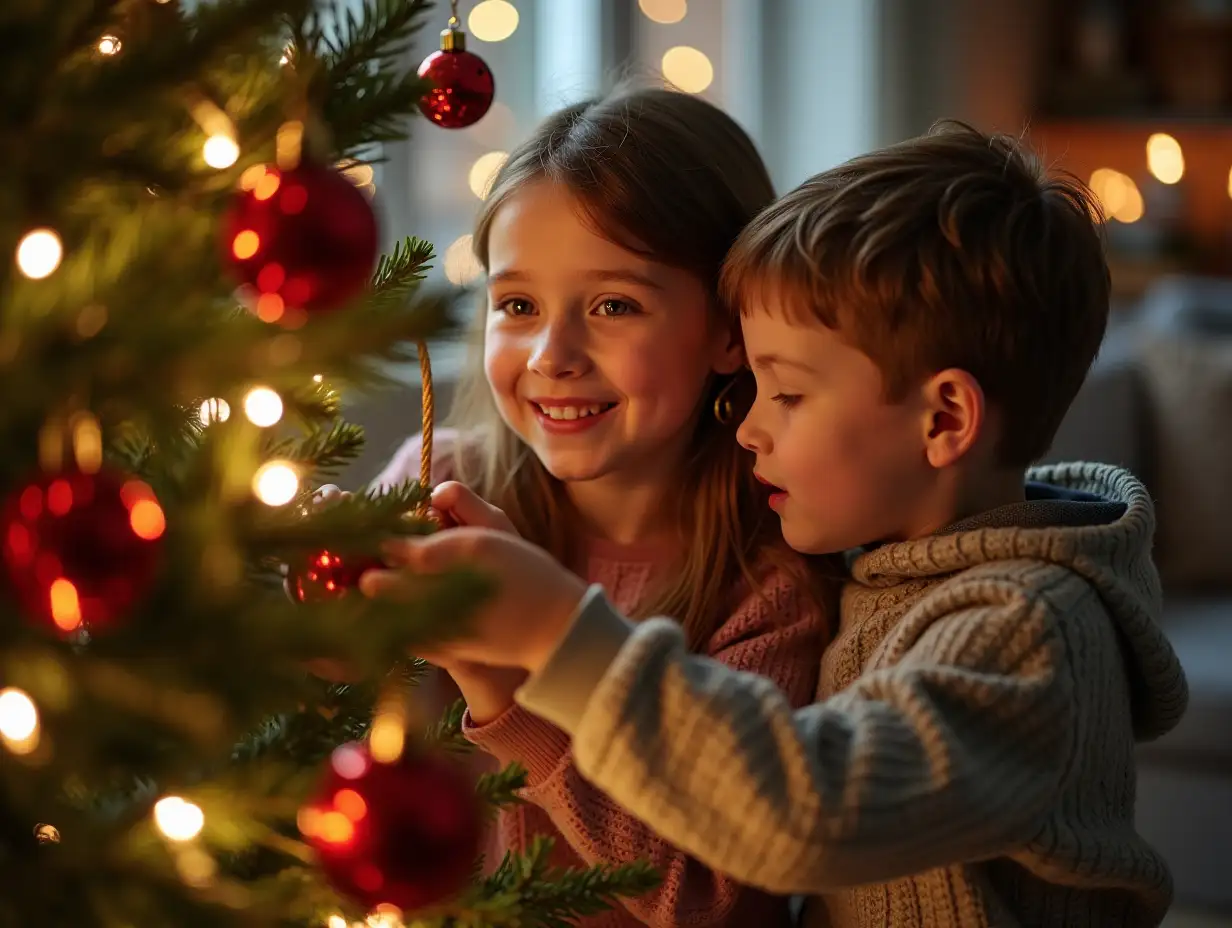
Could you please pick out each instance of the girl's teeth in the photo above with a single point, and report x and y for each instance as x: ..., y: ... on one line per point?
x: 570, y: 412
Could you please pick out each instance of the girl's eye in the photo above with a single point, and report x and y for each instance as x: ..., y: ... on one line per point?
x: 786, y: 399
x: 616, y: 308
x: 515, y: 307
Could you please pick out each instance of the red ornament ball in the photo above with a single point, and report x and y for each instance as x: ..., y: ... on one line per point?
x: 80, y: 549
x: 405, y: 833
x: 304, y: 238
x: 327, y: 575
x: 462, y: 88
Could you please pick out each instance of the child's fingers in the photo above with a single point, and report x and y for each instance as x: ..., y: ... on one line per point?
x: 441, y: 518
x: 398, y: 585
x: 328, y: 492
x: 464, y: 507
x: 428, y: 554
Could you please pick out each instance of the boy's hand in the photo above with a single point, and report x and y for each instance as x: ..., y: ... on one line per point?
x: 521, y: 623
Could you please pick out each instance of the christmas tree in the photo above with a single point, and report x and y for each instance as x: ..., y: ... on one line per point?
x: 193, y: 279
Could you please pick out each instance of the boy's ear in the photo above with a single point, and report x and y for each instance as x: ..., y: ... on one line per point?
x: 956, y: 416
x: 730, y: 357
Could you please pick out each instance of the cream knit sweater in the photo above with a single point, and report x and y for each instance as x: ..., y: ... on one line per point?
x: 970, y: 759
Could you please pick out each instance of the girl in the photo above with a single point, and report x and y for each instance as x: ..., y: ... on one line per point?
x: 601, y: 420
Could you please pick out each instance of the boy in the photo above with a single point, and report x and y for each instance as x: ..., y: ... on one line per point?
x: 918, y: 321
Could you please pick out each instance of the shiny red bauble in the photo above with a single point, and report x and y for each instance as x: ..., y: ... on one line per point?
x: 304, y: 238
x: 81, y: 549
x: 405, y: 833
x: 327, y: 575
x: 462, y: 88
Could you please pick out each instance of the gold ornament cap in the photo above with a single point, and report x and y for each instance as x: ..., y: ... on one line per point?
x: 453, y: 40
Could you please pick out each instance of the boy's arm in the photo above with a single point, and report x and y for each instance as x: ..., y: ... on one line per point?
x: 780, y: 636
x: 955, y: 753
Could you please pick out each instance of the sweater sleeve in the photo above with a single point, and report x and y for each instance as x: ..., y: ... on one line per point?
x: 954, y: 752
x: 776, y: 632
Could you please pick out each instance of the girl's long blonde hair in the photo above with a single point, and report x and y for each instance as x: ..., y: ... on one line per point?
x: 675, y: 179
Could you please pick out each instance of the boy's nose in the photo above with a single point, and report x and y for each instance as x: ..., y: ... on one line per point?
x: 750, y: 437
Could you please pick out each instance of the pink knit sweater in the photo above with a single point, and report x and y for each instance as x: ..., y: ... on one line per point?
x: 776, y: 632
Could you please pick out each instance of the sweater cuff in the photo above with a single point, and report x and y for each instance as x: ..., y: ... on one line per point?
x: 518, y: 736
x: 560, y: 690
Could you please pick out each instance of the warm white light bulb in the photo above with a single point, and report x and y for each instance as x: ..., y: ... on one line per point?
x: 275, y: 483
x: 39, y: 253
x: 178, y: 819
x: 483, y: 172
x: 18, y: 716
x: 460, y: 264
x: 664, y: 11
x: 1164, y: 158
x: 493, y: 20
x: 109, y: 45
x: 215, y: 410
x: 688, y: 68
x: 220, y: 151
x: 263, y: 406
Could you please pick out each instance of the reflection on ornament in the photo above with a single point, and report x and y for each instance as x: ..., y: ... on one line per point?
x: 305, y: 238
x: 328, y: 575
x: 402, y: 834
x: 81, y: 549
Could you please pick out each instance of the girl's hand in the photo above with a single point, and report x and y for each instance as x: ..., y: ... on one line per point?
x: 488, y: 691
x: 456, y: 504
x: 519, y: 626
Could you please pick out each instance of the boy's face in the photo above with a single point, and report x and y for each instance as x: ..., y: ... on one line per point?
x: 851, y: 468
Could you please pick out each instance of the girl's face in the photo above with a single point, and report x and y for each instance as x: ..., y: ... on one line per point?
x: 598, y: 358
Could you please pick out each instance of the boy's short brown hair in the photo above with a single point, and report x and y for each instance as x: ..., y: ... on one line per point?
x: 953, y: 249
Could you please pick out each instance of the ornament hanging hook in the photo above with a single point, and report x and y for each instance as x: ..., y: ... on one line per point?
x: 453, y: 14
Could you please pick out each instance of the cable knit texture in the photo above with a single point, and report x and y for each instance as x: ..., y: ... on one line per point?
x: 969, y: 762
x: 776, y: 631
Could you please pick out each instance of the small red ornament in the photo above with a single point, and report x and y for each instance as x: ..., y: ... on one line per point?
x: 304, y: 238
x: 462, y: 83
x: 80, y: 549
x: 328, y: 575
x: 405, y: 833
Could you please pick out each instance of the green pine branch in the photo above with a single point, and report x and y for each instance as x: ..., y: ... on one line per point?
x: 525, y: 891
x: 202, y: 688
x: 446, y: 732
x: 361, y: 59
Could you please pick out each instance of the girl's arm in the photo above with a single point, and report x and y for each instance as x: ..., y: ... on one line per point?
x: 777, y: 633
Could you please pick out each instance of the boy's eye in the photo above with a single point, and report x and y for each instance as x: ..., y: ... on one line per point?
x: 515, y: 307
x: 786, y: 399
x: 616, y: 308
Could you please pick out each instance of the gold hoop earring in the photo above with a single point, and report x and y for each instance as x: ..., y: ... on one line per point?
x: 724, y: 409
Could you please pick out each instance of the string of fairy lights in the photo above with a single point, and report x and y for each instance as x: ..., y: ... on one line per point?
x: 39, y: 255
